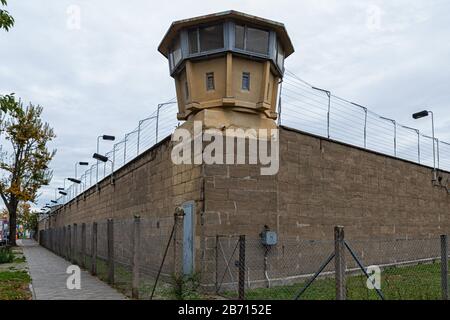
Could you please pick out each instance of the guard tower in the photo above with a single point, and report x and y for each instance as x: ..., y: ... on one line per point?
x: 227, y: 68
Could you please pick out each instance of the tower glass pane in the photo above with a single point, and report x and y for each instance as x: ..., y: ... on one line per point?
x: 280, y: 56
x: 193, y: 40
x: 257, y: 41
x: 239, y: 37
x: 176, y: 52
x: 211, y: 37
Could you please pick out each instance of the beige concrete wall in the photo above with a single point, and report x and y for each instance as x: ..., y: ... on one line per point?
x: 320, y: 184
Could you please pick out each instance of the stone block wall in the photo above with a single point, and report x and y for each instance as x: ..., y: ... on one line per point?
x: 320, y: 184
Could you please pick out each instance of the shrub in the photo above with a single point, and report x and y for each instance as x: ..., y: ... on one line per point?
x: 6, y: 255
x: 185, y: 287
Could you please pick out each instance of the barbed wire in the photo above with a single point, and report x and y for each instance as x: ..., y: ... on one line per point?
x: 304, y: 107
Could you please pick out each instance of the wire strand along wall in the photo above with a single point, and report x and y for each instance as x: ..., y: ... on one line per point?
x: 303, y: 107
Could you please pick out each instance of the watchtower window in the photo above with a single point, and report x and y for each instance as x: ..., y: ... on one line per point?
x: 206, y: 38
x: 175, y: 53
x: 280, y: 56
x: 246, y: 81
x: 210, y: 81
x: 251, y: 39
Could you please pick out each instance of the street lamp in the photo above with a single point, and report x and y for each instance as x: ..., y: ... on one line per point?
x: 103, y: 137
x: 81, y: 163
x: 423, y: 114
x: 105, y: 159
x: 74, y: 180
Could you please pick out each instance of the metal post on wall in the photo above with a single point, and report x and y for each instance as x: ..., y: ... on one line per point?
x: 418, y: 139
x: 157, y: 122
x: 328, y: 93
x: 157, y: 117
x: 438, y: 154
x: 125, y: 145
x: 418, y: 144
x: 114, y: 153
x: 139, y: 131
x: 365, y: 122
x: 125, y: 149
x: 395, y: 133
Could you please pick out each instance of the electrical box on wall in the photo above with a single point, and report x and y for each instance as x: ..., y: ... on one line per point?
x: 269, y: 238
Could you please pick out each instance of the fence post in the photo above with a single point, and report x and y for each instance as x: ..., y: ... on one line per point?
x: 241, y: 267
x: 50, y: 243
x: 135, y: 262
x: 60, y: 241
x: 63, y: 245
x: 75, y: 244
x: 110, y: 240
x: 339, y: 263
x: 217, y: 263
x: 83, y: 245
x: 69, y: 243
x: 444, y: 266
x: 94, y: 249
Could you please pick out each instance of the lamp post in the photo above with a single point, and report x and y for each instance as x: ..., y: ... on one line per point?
x: 103, y: 137
x: 423, y: 114
x: 81, y: 163
x: 103, y: 158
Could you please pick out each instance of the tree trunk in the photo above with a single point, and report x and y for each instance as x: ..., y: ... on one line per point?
x: 12, y: 223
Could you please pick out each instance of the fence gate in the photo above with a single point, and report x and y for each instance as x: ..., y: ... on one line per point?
x: 227, y: 265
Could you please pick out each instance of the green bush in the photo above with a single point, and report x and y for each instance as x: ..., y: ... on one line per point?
x: 6, y: 255
x: 185, y: 287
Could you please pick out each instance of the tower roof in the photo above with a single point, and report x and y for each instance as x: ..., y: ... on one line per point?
x: 176, y: 26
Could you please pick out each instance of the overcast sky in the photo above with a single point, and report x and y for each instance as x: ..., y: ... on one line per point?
x: 392, y: 56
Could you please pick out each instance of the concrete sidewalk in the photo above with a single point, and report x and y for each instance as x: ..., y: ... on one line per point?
x: 48, y: 274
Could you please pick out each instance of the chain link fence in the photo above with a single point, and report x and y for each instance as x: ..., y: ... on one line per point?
x: 139, y: 257
x: 143, y: 259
